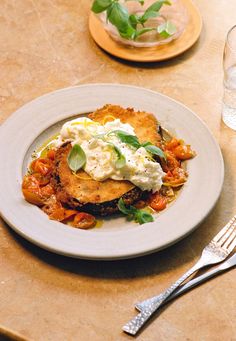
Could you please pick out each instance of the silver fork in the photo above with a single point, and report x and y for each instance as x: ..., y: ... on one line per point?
x: 215, y: 252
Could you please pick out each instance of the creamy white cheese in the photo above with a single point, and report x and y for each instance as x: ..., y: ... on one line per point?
x: 139, y: 168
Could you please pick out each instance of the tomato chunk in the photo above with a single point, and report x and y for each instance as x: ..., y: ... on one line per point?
x: 51, y: 154
x: 173, y: 143
x: 84, y: 220
x: 158, y: 202
x: 33, y: 196
x: 47, y: 191
x: 29, y: 181
x: 69, y: 213
x: 183, y: 152
x: 42, y: 166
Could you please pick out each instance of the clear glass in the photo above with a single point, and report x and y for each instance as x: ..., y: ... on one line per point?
x: 176, y: 13
x: 229, y: 64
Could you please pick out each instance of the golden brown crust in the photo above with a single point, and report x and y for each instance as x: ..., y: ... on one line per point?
x: 144, y: 124
x: 101, y: 197
x: 81, y: 190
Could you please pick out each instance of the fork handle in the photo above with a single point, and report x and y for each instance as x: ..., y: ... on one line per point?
x: 152, y: 304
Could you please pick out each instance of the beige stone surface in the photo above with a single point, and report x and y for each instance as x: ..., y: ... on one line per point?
x: 45, y: 45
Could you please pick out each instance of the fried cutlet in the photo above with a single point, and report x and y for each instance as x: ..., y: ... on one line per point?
x: 101, y: 197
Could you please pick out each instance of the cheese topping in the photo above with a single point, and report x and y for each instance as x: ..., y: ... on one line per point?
x: 100, y: 146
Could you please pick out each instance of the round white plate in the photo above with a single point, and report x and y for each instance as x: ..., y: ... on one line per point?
x: 33, y: 123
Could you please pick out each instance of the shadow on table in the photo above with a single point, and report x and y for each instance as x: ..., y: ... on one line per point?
x: 167, y: 63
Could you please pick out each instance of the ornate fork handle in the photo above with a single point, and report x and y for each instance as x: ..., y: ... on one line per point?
x: 151, y: 305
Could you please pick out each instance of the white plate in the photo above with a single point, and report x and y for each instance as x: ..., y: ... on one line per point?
x: 29, y: 126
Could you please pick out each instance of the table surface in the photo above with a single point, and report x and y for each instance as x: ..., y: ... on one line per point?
x: 45, y: 45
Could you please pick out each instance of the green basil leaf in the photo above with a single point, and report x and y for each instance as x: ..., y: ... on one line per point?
x: 140, y: 216
x: 134, y: 20
x: 127, y: 138
x: 146, y: 143
x: 155, y: 151
x: 140, y: 1
x: 156, y: 6
x: 142, y: 31
x: 129, y: 33
x: 147, y: 15
x: 121, y: 160
x: 166, y: 29
x: 119, y: 17
x: 143, y: 217
x: 76, y: 158
x: 123, y: 208
x: 99, y: 6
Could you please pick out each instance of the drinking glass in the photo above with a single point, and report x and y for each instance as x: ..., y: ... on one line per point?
x: 229, y: 64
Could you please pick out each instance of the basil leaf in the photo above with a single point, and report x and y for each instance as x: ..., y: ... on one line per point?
x: 121, y: 160
x: 134, y: 20
x: 99, y: 6
x: 118, y: 16
x: 144, y: 144
x: 155, y: 151
x: 140, y: 216
x: 144, y: 30
x: 143, y: 217
x: 123, y: 208
x: 147, y: 15
x: 129, y: 33
x: 127, y: 138
x: 76, y: 158
x: 140, y: 1
x: 166, y: 29
x: 156, y: 6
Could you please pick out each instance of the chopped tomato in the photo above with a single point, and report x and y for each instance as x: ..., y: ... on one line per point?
x: 58, y: 214
x: 69, y: 214
x: 171, y: 162
x: 54, y: 209
x: 33, y: 193
x: 84, y: 220
x: 158, y: 202
x: 42, y: 180
x: 173, y: 143
x: 51, y: 154
x: 183, y: 152
x: 47, y: 191
x: 42, y: 166
x: 33, y: 196
x: 175, y: 178
x: 29, y: 181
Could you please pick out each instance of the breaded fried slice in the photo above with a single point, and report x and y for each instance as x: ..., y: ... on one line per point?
x: 81, y: 191
x: 101, y: 197
x: 144, y: 124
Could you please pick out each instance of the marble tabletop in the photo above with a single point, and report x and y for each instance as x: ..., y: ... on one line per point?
x: 45, y: 45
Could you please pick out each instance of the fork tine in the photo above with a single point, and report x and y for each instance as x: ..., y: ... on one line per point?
x: 224, y: 229
x: 229, y: 240
x: 226, y: 236
x: 232, y: 245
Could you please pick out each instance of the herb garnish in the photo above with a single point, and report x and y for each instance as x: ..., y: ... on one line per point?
x: 133, y: 141
x: 125, y: 137
x: 121, y: 160
x: 128, y: 25
x: 140, y: 216
x: 76, y: 158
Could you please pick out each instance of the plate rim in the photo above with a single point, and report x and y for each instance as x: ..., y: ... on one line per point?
x: 120, y: 256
